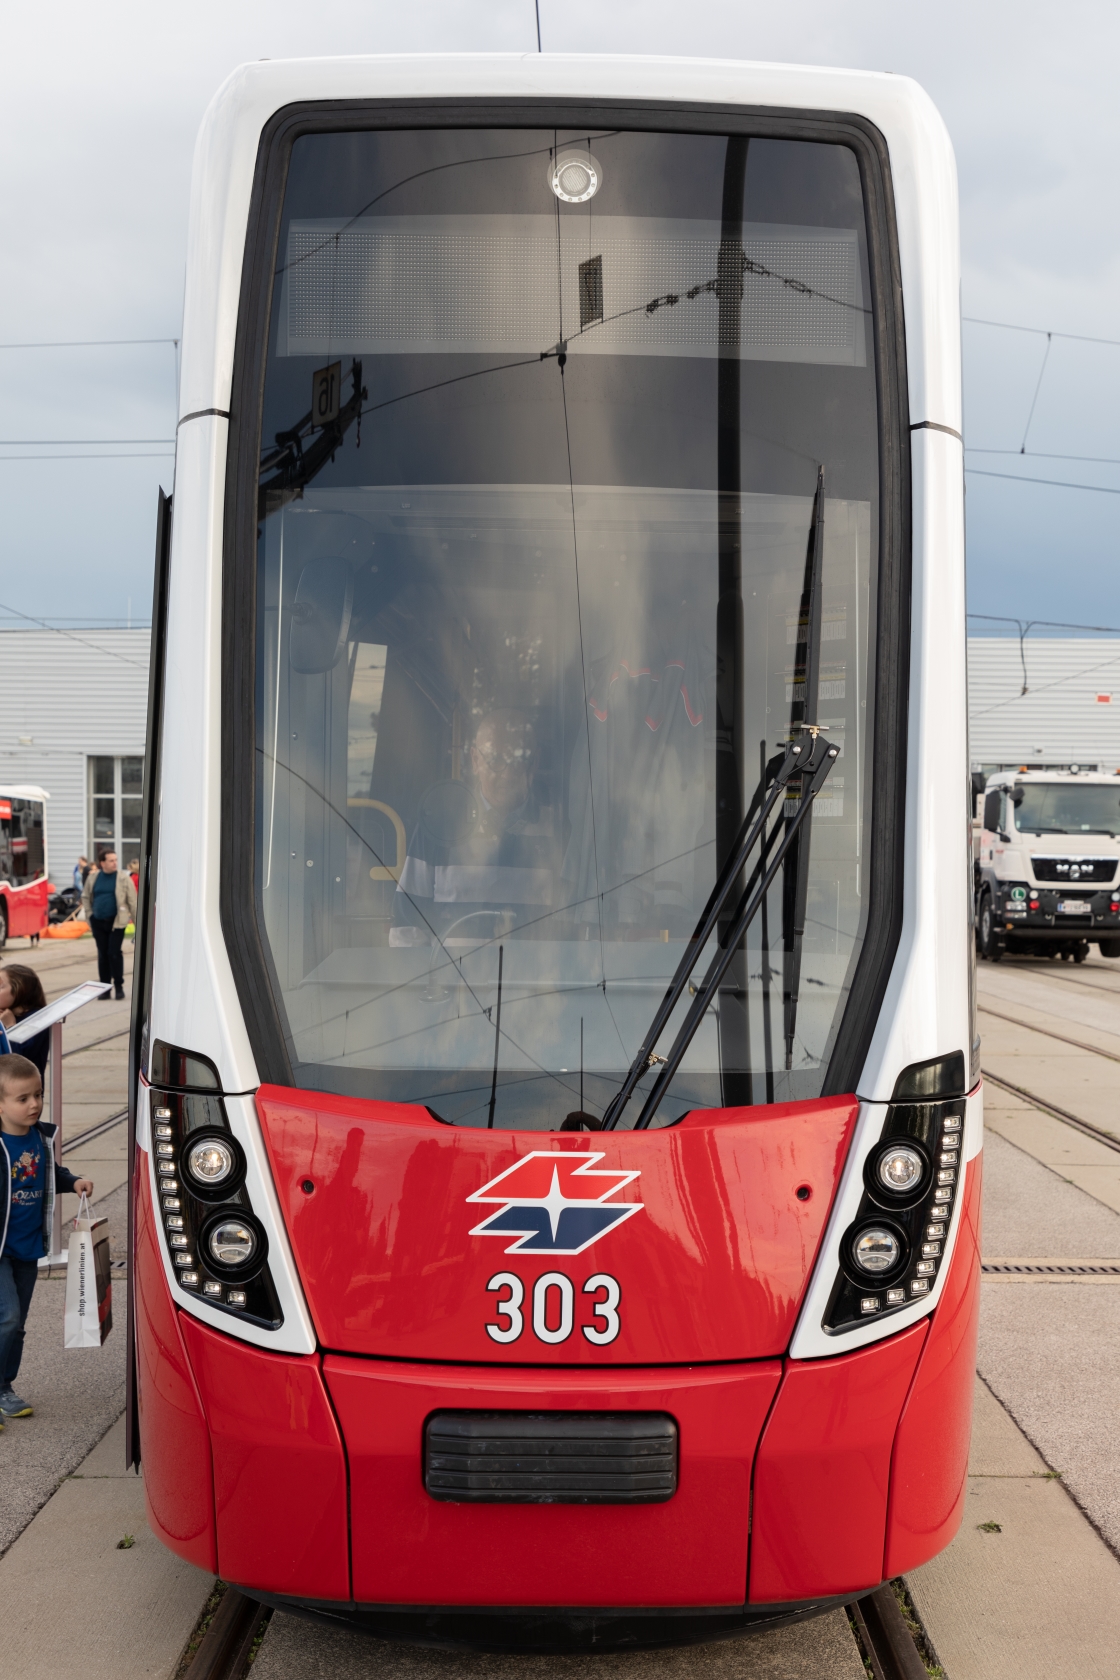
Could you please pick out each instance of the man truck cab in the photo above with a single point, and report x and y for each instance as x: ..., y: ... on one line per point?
x: 1049, y: 862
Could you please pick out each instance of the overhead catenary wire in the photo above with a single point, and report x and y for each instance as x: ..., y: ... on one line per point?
x: 42, y: 624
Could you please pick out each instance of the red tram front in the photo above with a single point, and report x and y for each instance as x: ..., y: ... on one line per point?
x: 557, y: 1172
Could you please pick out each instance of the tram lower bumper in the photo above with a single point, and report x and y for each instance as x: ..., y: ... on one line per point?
x: 408, y: 1548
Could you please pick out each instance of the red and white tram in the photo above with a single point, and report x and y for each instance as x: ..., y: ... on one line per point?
x: 557, y: 1119
x: 24, y: 887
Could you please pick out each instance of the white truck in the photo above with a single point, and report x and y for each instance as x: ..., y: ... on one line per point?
x: 1047, y: 863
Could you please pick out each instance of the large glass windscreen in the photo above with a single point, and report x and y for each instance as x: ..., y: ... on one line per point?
x: 1067, y: 808
x: 540, y: 595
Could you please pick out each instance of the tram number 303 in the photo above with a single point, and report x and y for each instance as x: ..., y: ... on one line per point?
x: 553, y: 1310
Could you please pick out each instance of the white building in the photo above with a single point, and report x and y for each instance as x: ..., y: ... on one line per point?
x: 1068, y: 714
x: 73, y: 714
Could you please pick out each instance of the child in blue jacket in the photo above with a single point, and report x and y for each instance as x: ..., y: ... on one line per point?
x: 31, y: 1182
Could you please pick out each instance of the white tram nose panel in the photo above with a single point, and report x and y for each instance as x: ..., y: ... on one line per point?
x: 194, y: 999
x: 925, y: 1011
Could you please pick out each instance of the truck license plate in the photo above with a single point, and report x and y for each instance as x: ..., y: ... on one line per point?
x: 1074, y: 907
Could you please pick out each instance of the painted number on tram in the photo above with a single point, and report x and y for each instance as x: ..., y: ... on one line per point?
x: 551, y: 1310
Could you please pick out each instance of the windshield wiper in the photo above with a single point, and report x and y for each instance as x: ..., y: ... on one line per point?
x: 796, y: 895
x: 811, y: 757
x: 822, y: 756
x: 769, y: 790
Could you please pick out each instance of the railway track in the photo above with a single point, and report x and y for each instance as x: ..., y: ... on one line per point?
x: 882, y: 1632
x: 226, y: 1647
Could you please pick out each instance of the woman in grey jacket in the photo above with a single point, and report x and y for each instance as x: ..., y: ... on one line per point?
x: 108, y: 905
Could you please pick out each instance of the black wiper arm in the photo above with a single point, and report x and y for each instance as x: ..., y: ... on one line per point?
x: 782, y: 770
x: 823, y: 757
x: 796, y: 896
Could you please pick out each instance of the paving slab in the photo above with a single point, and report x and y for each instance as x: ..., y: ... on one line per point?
x: 77, y: 1394
x: 1056, y: 1001
x: 821, y: 1649
x: 72, y: 1600
x: 1030, y: 1210
x: 1051, y: 1353
x: 1039, y: 1599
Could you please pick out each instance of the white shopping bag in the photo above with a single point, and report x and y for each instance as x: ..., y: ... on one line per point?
x: 89, y: 1284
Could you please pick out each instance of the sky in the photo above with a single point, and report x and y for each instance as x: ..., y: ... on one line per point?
x: 99, y: 108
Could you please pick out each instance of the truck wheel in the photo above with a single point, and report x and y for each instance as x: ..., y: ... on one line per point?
x: 1109, y: 947
x: 990, y: 948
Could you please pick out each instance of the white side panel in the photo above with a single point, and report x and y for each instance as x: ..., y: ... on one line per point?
x: 925, y: 1010
x: 296, y: 1334
x: 810, y: 1341
x: 194, y: 1001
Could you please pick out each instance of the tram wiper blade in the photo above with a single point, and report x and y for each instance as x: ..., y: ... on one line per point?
x: 823, y: 756
x: 796, y: 895
x: 775, y: 778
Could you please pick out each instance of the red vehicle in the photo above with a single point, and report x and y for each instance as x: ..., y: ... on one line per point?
x: 557, y: 1120
x: 24, y: 888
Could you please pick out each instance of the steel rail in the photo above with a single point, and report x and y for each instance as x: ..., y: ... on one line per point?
x: 224, y: 1650
x: 93, y: 1131
x: 886, y: 1640
x: 1079, y: 1125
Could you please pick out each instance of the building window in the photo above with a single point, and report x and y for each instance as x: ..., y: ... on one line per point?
x: 116, y: 799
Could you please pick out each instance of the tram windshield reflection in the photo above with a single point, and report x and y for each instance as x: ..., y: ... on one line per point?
x: 527, y: 635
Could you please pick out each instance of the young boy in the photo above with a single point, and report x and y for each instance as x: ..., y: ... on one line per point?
x: 31, y: 1182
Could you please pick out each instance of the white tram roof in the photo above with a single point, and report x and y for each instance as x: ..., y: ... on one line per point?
x: 22, y: 790
x: 922, y: 167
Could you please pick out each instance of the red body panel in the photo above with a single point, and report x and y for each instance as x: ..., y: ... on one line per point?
x: 930, y: 1463
x: 178, y: 1475
x: 26, y: 907
x: 823, y: 1468
x: 712, y: 1267
x: 279, y: 1467
x: 411, y: 1549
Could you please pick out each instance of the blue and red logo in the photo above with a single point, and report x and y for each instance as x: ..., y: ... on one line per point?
x: 554, y: 1204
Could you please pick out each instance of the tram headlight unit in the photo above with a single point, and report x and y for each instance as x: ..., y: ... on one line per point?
x: 212, y: 1164
x: 876, y: 1250
x: 232, y: 1244
x: 574, y: 177
x: 898, y: 1172
x: 900, y: 1169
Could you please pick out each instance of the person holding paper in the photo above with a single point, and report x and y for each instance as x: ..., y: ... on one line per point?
x: 31, y: 1181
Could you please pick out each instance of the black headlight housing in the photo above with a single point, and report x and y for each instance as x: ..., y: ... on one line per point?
x: 192, y: 1204
x: 919, y: 1215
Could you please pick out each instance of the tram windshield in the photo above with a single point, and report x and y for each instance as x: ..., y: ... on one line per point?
x: 543, y: 420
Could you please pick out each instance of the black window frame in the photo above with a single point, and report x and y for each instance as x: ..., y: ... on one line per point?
x: 241, y: 915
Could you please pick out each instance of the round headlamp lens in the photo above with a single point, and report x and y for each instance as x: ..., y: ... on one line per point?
x: 232, y: 1243
x: 876, y: 1251
x: 210, y: 1161
x: 900, y: 1168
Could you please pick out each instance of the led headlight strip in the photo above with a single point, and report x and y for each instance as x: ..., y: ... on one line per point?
x: 892, y: 1251
x: 216, y: 1244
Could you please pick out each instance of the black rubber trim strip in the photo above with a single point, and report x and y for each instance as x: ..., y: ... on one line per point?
x: 202, y: 414
x: 241, y: 913
x: 143, y: 942
x: 934, y: 426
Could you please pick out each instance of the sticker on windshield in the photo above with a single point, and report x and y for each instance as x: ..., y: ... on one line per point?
x: 555, y: 1204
